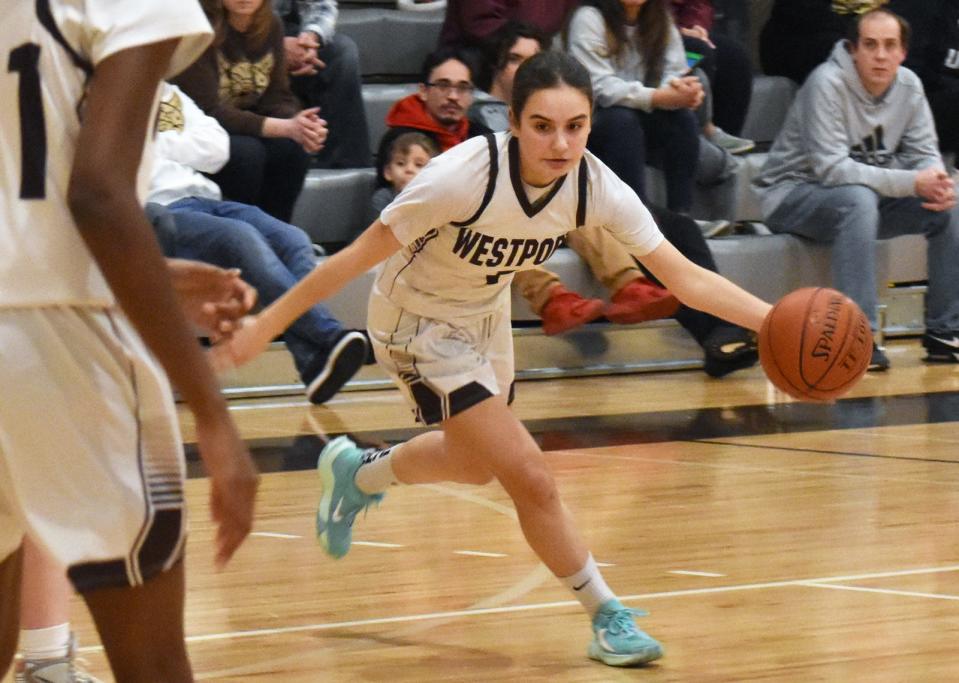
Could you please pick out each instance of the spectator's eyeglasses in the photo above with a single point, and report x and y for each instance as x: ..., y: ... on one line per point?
x: 445, y: 87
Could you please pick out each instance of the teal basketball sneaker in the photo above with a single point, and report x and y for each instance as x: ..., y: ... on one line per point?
x: 617, y: 641
x: 341, y: 500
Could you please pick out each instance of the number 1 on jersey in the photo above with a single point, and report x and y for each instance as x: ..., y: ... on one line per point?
x: 25, y: 61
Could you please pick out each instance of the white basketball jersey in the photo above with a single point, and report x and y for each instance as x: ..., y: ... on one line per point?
x: 468, y: 225
x: 50, y: 48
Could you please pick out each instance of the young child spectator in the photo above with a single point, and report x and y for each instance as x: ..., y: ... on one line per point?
x: 800, y: 34
x: 324, y: 69
x: 272, y: 255
x: 408, y: 153
x: 241, y: 81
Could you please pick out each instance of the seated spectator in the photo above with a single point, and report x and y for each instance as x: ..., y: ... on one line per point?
x: 439, y: 108
x: 272, y: 255
x: 324, y: 68
x: 635, y: 298
x: 800, y: 34
x: 857, y: 160
x: 475, y: 25
x: 934, y: 56
x: 241, y: 81
x: 406, y: 156
x: 647, y: 99
x: 727, y: 67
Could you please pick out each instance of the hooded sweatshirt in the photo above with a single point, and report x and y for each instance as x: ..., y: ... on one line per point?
x: 411, y: 112
x: 836, y: 133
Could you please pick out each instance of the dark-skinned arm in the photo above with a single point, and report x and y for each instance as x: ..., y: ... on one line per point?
x: 103, y: 201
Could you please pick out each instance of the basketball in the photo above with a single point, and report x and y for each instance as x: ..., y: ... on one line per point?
x: 815, y: 344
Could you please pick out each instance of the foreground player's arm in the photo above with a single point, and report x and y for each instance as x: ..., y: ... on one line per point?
x: 374, y: 245
x: 103, y: 201
x: 703, y: 289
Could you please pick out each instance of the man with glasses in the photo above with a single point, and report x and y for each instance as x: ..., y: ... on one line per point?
x: 439, y: 107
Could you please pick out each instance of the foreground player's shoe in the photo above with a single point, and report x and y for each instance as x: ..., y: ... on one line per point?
x: 941, y: 348
x: 341, y: 500
x: 61, y: 670
x: 617, y: 641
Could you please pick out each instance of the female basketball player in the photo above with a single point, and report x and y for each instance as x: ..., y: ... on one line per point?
x: 439, y: 319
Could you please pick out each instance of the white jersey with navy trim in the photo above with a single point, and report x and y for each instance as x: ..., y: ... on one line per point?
x: 449, y: 271
x: 50, y: 48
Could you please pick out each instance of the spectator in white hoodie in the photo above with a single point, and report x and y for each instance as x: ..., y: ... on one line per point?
x: 194, y: 223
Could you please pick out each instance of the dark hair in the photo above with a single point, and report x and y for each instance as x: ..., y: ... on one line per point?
x: 652, y: 33
x: 260, y: 26
x: 548, y: 70
x: 905, y: 30
x: 506, y: 38
x: 398, y: 138
x: 444, y: 54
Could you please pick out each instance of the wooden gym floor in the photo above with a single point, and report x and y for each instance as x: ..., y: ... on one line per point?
x: 769, y: 540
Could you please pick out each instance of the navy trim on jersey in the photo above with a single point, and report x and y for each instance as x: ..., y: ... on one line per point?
x: 581, y: 200
x: 529, y: 209
x: 490, y: 184
x: 46, y: 19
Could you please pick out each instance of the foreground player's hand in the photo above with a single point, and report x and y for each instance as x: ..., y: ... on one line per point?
x: 246, y: 343
x: 233, y: 484
x: 212, y: 298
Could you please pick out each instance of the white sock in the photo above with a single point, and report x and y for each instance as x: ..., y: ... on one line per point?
x: 376, y: 473
x: 45, y: 643
x: 589, y: 587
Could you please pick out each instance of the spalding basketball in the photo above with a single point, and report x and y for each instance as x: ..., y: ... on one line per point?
x: 815, y: 344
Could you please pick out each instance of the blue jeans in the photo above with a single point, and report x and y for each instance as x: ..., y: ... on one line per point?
x: 852, y: 218
x: 272, y: 255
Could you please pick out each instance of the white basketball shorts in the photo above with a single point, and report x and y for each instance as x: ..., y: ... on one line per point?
x: 443, y: 367
x: 91, y: 459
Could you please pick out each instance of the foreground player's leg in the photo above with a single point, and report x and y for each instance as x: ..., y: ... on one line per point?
x: 142, y: 628
x: 9, y: 607
x: 47, y: 647
x: 487, y: 441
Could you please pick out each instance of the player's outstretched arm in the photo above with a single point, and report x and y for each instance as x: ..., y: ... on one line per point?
x: 103, y: 201
x: 374, y: 245
x: 703, y: 289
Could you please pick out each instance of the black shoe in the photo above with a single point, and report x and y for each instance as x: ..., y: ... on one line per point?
x: 941, y: 348
x: 879, y: 362
x: 728, y: 349
x: 324, y: 377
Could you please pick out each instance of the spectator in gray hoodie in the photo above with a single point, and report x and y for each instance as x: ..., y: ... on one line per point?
x: 858, y: 160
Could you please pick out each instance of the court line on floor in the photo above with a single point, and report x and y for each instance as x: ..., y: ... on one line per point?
x: 588, y: 453
x: 884, y: 591
x: 822, y: 451
x: 480, y: 611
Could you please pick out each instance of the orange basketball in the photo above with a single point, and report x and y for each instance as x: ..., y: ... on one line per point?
x: 815, y: 344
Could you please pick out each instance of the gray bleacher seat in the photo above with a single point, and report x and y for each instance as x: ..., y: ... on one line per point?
x: 772, y: 97
x: 334, y: 205
x: 392, y: 43
x: 377, y: 100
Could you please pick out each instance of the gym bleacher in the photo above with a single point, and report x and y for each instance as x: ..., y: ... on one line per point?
x: 334, y: 208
